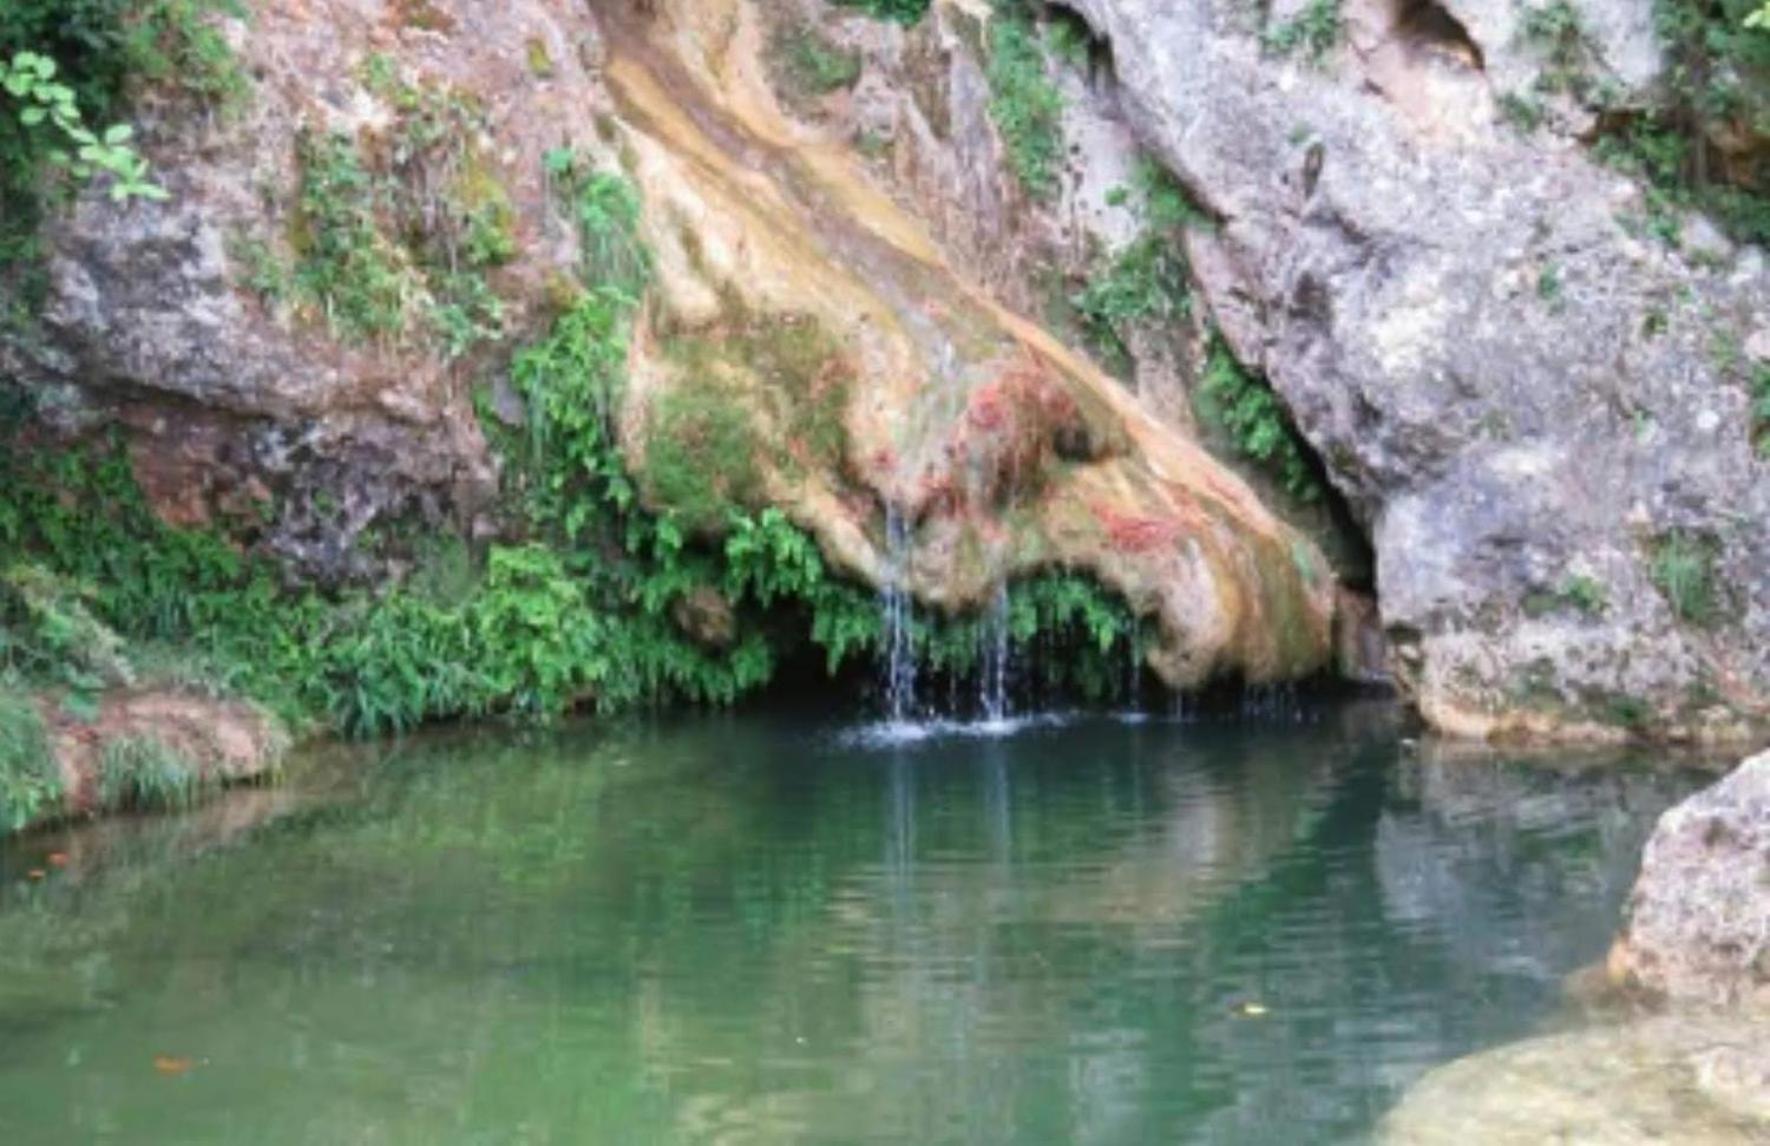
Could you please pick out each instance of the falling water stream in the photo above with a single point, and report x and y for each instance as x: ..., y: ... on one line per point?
x: 898, y: 605
x: 992, y: 692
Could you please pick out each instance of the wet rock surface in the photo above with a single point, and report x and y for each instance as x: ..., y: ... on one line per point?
x: 1667, y: 1080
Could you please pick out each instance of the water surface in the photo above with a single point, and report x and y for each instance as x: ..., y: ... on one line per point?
x: 766, y: 929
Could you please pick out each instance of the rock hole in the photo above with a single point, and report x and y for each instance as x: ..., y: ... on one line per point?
x: 1427, y: 27
x: 1075, y: 40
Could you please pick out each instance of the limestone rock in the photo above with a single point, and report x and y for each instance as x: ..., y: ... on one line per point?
x: 1699, y: 919
x: 1517, y: 390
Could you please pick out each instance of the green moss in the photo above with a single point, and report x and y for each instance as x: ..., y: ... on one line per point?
x: 1579, y: 593
x: 701, y: 455
x: 540, y: 60
x: 805, y: 373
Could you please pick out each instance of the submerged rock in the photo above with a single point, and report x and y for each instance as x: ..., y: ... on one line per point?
x: 1698, y: 927
x: 1670, y: 1080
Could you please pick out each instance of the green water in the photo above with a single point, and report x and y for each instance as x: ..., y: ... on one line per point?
x: 759, y: 930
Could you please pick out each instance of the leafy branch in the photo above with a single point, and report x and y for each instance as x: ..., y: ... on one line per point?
x: 43, y: 101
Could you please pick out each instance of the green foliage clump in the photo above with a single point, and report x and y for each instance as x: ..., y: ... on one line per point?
x: 905, y: 12
x: 67, y: 67
x: 1580, y: 593
x: 1024, y: 102
x: 1682, y: 566
x: 802, y: 370
x: 30, y: 781
x: 144, y: 774
x: 1554, y: 31
x: 587, y: 606
x: 1148, y: 280
x: 1718, y: 87
x: 361, y: 281
x: 1315, y: 31
x: 394, y: 236
x: 48, y: 632
x: 1244, y: 408
x: 807, y: 66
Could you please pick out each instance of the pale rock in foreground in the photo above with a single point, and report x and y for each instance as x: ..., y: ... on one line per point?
x: 1699, y: 920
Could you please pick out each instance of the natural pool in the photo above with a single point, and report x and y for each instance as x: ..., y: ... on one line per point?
x: 769, y: 929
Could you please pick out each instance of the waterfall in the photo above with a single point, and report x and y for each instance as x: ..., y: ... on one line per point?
x: 992, y: 688
x: 897, y: 602
x: 1134, y: 669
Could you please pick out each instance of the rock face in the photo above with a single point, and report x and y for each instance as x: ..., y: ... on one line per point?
x: 1698, y: 925
x: 1540, y: 416
x: 795, y: 306
x: 1523, y: 398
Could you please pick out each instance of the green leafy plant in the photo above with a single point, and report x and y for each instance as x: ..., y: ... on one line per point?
x: 65, y: 68
x: 1146, y: 281
x: 364, y: 284
x: 85, y: 153
x: 1243, y: 407
x: 30, y: 781
x: 1717, y: 87
x: 395, y: 239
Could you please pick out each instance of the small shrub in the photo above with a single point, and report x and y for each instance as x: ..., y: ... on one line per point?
x: 361, y: 281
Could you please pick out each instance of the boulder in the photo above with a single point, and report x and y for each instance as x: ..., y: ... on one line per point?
x: 1698, y: 925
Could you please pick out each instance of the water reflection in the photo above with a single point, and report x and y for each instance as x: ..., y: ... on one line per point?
x: 750, y: 930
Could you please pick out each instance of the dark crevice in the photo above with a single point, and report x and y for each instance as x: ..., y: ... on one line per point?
x: 1428, y: 26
